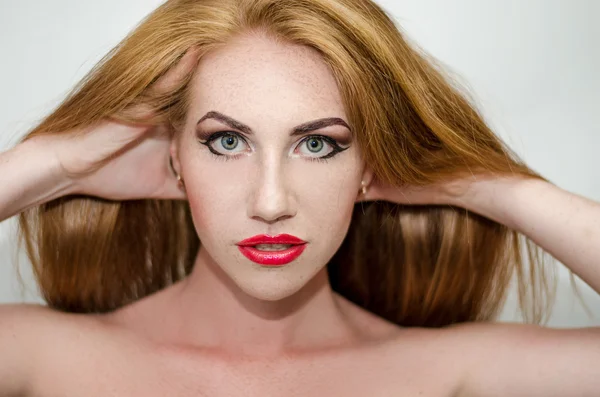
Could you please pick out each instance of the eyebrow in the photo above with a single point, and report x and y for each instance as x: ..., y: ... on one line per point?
x: 298, y: 130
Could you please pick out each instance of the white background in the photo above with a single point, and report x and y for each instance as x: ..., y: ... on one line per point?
x: 532, y: 65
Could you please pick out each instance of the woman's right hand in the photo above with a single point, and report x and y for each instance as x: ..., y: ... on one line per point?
x: 135, y: 157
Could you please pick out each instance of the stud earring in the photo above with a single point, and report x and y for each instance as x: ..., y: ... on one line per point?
x: 180, y: 182
x: 364, y: 189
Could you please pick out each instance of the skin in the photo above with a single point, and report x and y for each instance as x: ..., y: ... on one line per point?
x: 234, y: 316
x: 266, y: 182
x: 233, y: 328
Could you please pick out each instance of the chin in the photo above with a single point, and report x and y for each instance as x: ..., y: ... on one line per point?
x: 270, y: 292
x: 274, y: 284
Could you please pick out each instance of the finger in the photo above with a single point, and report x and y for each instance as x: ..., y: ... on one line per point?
x: 141, y: 111
x: 173, y: 76
x: 111, y: 135
x: 168, y: 82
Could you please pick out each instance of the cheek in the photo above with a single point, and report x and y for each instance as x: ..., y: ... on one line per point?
x: 328, y: 199
x: 215, y: 198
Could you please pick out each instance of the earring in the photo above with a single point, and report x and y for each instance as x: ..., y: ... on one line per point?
x: 180, y: 182
x: 363, y: 190
x: 179, y: 179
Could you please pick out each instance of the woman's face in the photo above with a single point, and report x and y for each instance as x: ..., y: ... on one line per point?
x: 267, y: 151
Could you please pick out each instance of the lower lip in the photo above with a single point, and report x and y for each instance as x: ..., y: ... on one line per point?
x: 272, y: 258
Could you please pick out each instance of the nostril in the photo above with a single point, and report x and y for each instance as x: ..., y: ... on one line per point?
x: 278, y: 219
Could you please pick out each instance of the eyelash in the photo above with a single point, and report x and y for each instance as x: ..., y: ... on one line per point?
x: 336, y: 148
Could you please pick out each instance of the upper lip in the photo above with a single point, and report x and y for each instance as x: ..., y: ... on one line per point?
x: 266, y: 239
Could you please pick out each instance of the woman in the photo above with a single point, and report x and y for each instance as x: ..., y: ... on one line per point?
x: 350, y: 205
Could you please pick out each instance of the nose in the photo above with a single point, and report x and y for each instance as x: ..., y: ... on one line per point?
x: 271, y: 200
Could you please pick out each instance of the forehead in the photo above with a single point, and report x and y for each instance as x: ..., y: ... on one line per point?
x: 256, y: 74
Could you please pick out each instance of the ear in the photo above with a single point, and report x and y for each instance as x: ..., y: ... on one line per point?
x: 367, y: 178
x: 174, y: 153
x: 367, y: 175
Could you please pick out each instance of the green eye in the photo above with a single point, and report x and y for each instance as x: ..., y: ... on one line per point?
x: 315, y: 145
x: 224, y: 143
x: 319, y: 147
x: 229, y: 142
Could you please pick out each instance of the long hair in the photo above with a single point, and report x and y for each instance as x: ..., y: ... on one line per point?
x: 426, y: 266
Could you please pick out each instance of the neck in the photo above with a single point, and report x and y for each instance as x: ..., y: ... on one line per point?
x: 211, y: 311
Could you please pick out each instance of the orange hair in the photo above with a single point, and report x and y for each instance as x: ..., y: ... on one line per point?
x: 425, y: 266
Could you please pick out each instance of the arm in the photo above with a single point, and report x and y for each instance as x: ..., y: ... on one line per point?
x: 530, y: 361
x: 562, y: 223
x: 513, y: 360
x: 29, y: 177
x: 517, y: 360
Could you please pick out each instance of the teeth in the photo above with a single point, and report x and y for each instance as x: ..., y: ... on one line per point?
x: 272, y: 247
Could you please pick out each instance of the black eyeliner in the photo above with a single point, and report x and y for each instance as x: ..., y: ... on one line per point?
x: 216, y: 135
x: 211, y: 137
x: 336, y: 148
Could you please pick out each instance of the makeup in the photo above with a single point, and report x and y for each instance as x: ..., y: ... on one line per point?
x: 301, y: 129
x: 272, y: 250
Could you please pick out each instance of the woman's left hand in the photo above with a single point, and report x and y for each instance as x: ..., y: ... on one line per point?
x: 564, y: 224
x: 451, y: 192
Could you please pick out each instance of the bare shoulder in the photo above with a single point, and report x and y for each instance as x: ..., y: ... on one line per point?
x: 500, y: 359
x: 28, y: 324
x: 40, y: 329
x: 23, y: 329
x: 40, y: 323
x: 35, y: 338
x: 429, y: 356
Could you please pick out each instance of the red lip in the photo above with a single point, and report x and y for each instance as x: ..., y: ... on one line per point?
x: 272, y: 258
x: 266, y: 239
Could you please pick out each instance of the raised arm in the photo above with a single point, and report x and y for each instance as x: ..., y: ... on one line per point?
x: 86, y: 161
x: 533, y: 361
x: 515, y: 359
x: 30, y: 176
x: 111, y: 160
x: 563, y: 223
